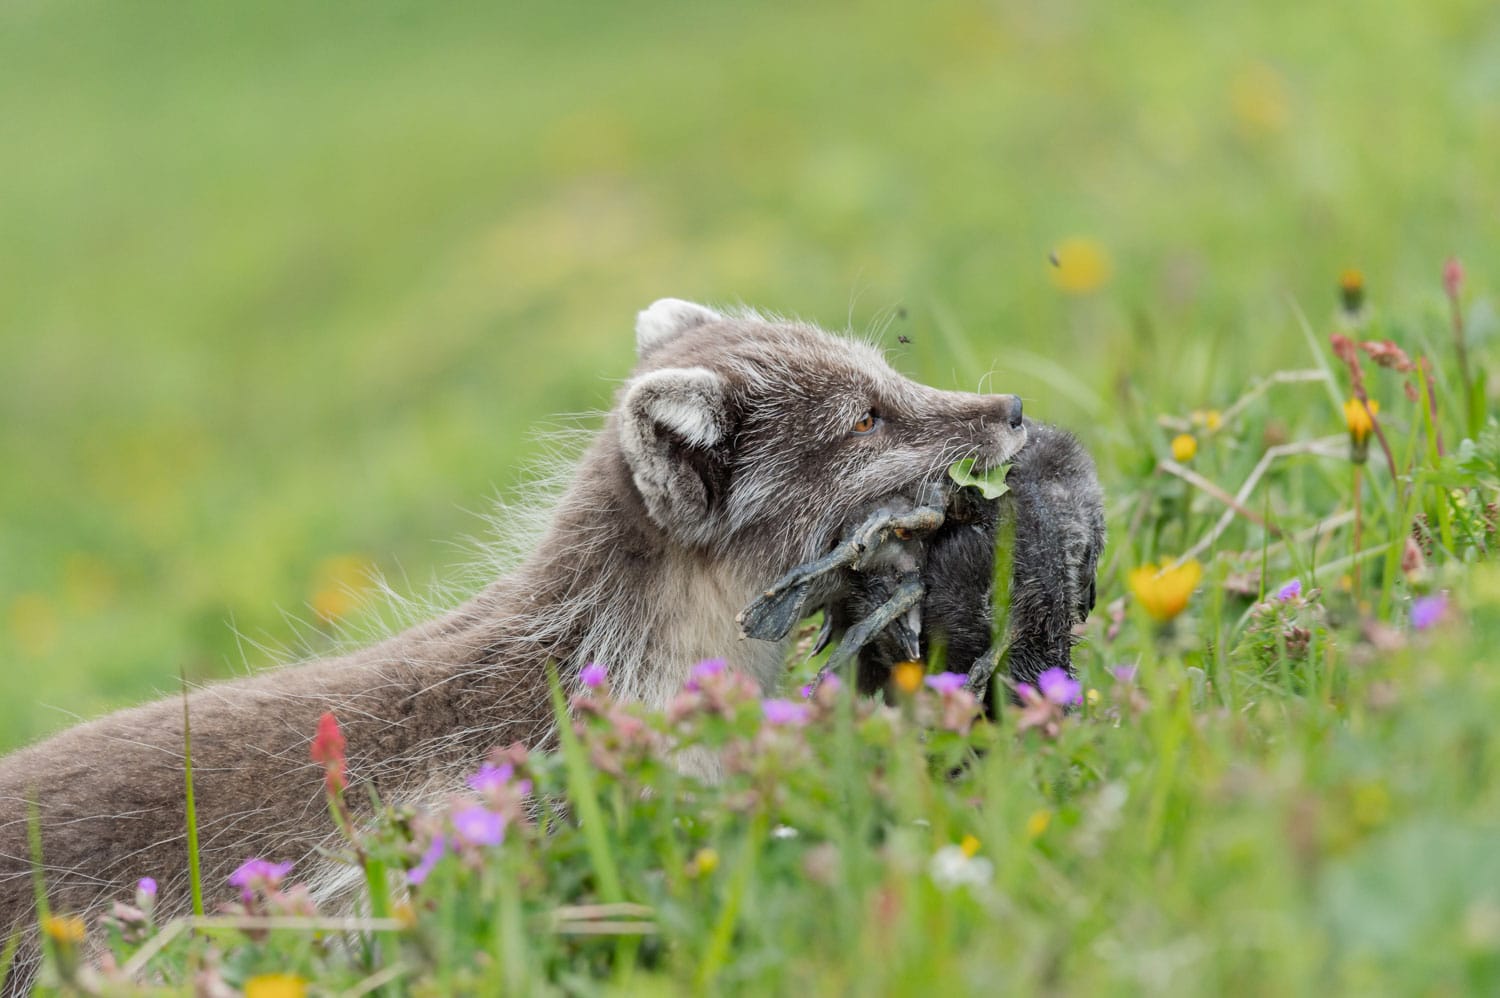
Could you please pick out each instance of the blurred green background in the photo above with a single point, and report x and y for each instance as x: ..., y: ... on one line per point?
x: 286, y: 288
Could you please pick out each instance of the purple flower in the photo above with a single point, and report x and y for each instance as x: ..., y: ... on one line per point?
x: 479, y: 825
x: 785, y: 712
x: 430, y: 857
x: 807, y: 690
x: 1427, y: 611
x: 706, y: 669
x: 1123, y: 673
x: 946, y: 682
x: 1290, y: 591
x: 256, y: 874
x: 490, y: 778
x: 1026, y: 692
x: 593, y: 675
x: 146, y: 887
x: 1060, y: 688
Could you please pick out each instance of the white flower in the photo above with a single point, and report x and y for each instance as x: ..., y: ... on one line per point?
x: 951, y: 867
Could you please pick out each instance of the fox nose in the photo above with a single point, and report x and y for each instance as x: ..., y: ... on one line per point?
x: 1013, y: 410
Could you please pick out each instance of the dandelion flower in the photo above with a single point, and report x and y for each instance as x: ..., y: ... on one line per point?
x: 970, y: 845
x: 275, y: 986
x: 1184, y: 447
x: 1258, y: 100
x: 704, y: 862
x: 1359, y: 420
x: 1080, y: 266
x: 907, y: 676
x: 1352, y: 290
x: 1164, y: 591
x: 66, y: 929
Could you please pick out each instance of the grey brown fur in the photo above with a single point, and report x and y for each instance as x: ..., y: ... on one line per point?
x: 727, y: 458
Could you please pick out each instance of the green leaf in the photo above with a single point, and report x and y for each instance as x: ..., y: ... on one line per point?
x: 991, y: 483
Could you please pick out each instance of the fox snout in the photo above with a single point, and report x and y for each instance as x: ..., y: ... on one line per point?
x: 1009, y: 409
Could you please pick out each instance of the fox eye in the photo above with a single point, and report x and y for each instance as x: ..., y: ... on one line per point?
x: 865, y: 424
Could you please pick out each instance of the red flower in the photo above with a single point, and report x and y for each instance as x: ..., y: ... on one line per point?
x: 328, y: 751
x: 1453, y: 277
x: 1387, y: 354
x: 1343, y: 348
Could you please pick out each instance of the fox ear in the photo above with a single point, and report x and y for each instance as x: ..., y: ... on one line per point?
x: 664, y: 319
x: 674, y: 424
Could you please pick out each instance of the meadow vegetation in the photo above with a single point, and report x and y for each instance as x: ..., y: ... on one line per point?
x: 288, y: 292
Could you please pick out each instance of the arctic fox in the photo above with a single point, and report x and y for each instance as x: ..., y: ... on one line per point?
x: 738, y: 447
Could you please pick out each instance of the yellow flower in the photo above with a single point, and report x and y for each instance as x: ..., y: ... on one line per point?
x: 33, y: 620
x: 1164, y: 591
x: 908, y: 676
x: 338, y: 586
x: 1184, y: 446
x: 1371, y: 804
x: 275, y: 986
x: 1352, y: 290
x: 1258, y: 98
x: 1092, y: 696
x: 1080, y: 265
x: 970, y: 845
x: 1037, y: 823
x: 1360, y: 423
x: 704, y: 862
x: 66, y: 929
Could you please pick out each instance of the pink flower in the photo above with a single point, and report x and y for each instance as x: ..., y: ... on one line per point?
x: 707, y: 669
x: 491, y: 778
x: 478, y: 825
x: 258, y: 874
x: 785, y: 712
x: 1059, y: 687
x: 1428, y: 611
x: 146, y: 887
x: 430, y: 857
x: 593, y: 675
x: 1123, y: 673
x: 946, y: 682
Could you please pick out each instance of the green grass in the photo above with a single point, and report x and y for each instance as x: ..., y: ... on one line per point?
x: 288, y: 288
